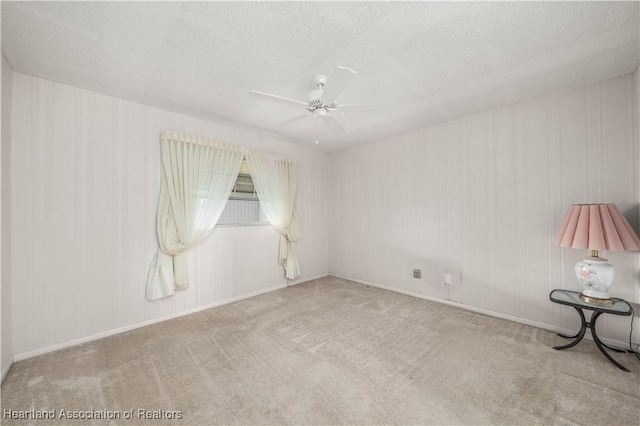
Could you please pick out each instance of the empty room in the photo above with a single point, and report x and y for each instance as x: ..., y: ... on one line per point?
x: 328, y: 213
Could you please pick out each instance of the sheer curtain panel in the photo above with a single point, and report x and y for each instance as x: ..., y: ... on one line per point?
x: 197, y: 176
x: 276, y: 182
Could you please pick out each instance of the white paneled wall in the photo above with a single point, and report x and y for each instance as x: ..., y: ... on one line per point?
x: 85, y: 185
x: 482, y: 198
x: 5, y: 216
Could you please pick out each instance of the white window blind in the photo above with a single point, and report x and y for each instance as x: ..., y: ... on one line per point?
x: 243, y: 207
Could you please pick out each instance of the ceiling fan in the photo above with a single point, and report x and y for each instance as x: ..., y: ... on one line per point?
x: 321, y: 99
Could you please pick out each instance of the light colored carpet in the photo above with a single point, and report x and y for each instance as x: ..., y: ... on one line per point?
x: 332, y: 351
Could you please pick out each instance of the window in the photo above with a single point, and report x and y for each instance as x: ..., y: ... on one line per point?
x: 243, y: 207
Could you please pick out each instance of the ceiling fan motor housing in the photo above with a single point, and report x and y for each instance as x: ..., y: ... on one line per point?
x: 315, y: 104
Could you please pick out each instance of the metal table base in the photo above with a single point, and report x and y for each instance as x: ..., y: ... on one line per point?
x: 571, y: 298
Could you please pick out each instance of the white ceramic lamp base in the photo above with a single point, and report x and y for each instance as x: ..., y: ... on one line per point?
x: 596, y: 275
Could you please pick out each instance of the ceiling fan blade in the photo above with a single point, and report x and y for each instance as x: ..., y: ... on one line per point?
x: 293, y: 120
x: 359, y: 108
x: 277, y: 98
x: 337, y: 82
x: 334, y: 125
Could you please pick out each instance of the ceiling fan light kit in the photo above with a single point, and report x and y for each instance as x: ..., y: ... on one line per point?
x: 321, y: 99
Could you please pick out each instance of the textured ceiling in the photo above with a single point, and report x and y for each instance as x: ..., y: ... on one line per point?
x: 419, y: 62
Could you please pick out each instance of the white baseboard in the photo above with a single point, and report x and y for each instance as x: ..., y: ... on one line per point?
x: 6, y: 368
x: 31, y: 354
x: 549, y: 327
x: 304, y: 280
x: 74, y: 342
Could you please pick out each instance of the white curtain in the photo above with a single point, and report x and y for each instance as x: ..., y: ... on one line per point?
x: 276, y: 182
x: 197, y: 177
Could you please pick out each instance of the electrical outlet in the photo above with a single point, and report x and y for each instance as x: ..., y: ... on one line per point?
x: 417, y: 273
x: 448, y: 279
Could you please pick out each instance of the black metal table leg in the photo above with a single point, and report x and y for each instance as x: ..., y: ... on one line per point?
x: 620, y: 351
x: 568, y: 337
x: 579, y: 336
x: 600, y: 344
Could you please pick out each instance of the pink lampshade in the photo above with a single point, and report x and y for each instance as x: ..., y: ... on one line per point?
x: 597, y: 227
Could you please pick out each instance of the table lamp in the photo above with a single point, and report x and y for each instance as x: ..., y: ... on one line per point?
x: 596, y: 227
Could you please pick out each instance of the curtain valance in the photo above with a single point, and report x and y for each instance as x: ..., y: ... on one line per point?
x: 199, y: 140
